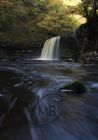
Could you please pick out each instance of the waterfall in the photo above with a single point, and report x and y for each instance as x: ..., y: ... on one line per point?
x: 50, y: 50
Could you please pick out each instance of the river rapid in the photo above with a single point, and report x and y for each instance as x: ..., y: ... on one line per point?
x: 27, y: 83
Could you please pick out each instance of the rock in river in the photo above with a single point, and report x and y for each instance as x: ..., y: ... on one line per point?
x: 75, y: 87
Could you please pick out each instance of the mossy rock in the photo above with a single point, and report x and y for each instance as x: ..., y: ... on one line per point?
x: 75, y: 87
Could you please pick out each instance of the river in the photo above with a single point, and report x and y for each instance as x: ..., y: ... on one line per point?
x: 27, y: 83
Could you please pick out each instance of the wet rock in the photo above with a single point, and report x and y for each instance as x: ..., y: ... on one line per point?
x: 7, y: 101
x: 3, y: 106
x: 19, y: 88
x: 8, y: 78
x: 75, y: 87
x: 70, y: 60
x: 68, y: 48
x: 24, y: 95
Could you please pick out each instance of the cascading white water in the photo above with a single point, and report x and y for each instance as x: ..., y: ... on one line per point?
x: 50, y: 50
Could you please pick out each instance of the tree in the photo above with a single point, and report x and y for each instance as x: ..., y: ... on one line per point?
x: 90, y: 9
x: 35, y: 20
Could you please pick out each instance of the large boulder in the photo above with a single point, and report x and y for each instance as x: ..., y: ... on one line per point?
x: 75, y: 87
x: 25, y: 96
x: 3, y: 107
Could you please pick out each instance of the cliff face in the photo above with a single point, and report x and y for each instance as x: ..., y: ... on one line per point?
x: 68, y: 47
x: 88, y: 32
x: 83, y: 43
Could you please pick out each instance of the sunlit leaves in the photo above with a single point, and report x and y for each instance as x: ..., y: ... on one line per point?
x: 32, y: 20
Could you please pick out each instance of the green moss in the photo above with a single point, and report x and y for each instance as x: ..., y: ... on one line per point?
x: 66, y: 54
x: 76, y: 87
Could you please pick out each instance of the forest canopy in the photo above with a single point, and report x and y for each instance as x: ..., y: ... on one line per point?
x: 31, y: 21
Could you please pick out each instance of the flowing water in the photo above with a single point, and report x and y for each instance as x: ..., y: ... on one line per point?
x: 51, y: 49
x: 26, y: 84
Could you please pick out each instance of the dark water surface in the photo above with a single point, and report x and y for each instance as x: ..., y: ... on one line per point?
x: 26, y: 84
